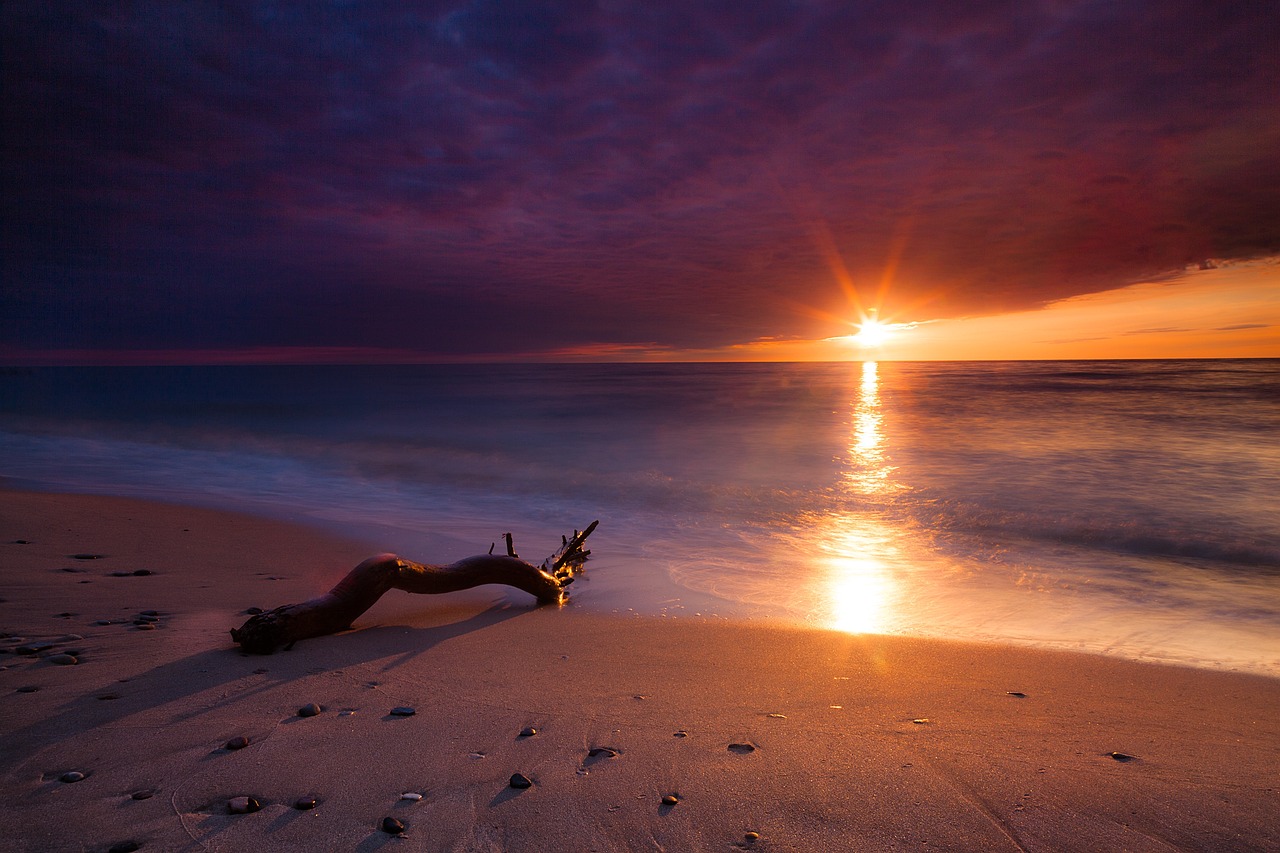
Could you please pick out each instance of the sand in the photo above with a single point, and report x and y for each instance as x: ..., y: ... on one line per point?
x: 767, y: 738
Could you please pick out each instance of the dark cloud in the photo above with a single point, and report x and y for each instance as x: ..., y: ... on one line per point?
x: 505, y: 175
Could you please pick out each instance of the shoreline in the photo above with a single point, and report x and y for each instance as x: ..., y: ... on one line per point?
x: 809, y: 739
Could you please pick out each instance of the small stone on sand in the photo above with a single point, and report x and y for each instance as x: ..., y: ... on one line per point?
x: 237, y: 742
x: 741, y: 748
x: 922, y: 721
x: 521, y: 781
x: 73, y: 776
x: 670, y: 800
x: 28, y: 689
x: 777, y: 716
x: 752, y: 836
x: 142, y: 573
x: 1016, y: 695
x: 403, y: 711
x: 303, y: 804
x: 33, y: 648
x: 146, y: 626
x: 391, y: 826
x: 309, y: 710
x: 602, y: 751
x: 243, y: 805
x: 1122, y: 756
x: 528, y: 731
x: 412, y: 796
x: 142, y: 795
x: 64, y: 660
x: 87, y: 556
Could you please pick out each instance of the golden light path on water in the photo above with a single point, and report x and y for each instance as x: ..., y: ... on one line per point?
x: 860, y: 545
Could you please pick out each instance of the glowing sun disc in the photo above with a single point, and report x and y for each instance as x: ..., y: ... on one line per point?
x: 872, y: 333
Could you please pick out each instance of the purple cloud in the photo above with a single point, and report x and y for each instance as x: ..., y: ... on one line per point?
x: 488, y: 176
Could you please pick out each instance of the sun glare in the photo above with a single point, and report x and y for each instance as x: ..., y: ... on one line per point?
x: 872, y: 333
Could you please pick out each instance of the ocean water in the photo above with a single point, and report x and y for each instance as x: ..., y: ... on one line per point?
x: 1130, y: 508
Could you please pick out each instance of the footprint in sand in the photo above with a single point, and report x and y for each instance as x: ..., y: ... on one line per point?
x: 741, y: 748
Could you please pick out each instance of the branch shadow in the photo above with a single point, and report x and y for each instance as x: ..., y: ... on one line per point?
x: 194, y: 674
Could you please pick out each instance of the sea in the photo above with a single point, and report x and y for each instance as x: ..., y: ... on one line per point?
x: 1129, y: 508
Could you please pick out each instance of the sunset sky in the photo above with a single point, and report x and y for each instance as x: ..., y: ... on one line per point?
x: 214, y: 182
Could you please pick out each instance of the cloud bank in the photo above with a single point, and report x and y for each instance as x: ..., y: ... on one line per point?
x: 491, y: 177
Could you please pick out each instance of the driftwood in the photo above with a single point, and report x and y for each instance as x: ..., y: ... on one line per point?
x: 339, y: 607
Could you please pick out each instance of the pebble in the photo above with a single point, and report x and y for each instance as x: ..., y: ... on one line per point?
x: 521, y: 781
x: 64, y: 660
x: 304, y: 804
x: 922, y: 721
x: 1015, y: 694
x: 741, y: 748
x: 148, y: 617
x: 403, y: 711
x: 528, y: 731
x: 752, y: 836
x: 412, y: 796
x: 309, y: 710
x: 28, y: 689
x: 243, y: 805
x: 1122, y: 756
x: 607, y: 752
x: 87, y: 556
x: 391, y: 826
x: 103, y: 622
x: 238, y: 742
x: 670, y: 800
x: 33, y: 648
x: 148, y: 612
x: 142, y: 795
x: 142, y: 573
x: 145, y: 626
x: 73, y: 776
x: 681, y: 733
x: 124, y: 847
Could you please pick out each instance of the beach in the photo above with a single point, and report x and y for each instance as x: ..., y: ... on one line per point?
x: 757, y: 737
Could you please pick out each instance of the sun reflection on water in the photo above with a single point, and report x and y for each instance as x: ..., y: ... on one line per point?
x: 858, y: 537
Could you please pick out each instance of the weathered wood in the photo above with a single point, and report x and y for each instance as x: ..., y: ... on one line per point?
x: 366, y: 583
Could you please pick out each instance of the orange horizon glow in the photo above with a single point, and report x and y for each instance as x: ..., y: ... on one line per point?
x: 1232, y: 311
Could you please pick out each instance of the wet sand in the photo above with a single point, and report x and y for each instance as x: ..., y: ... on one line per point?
x: 634, y: 733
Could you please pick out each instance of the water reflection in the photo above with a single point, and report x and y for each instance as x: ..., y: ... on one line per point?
x: 858, y: 534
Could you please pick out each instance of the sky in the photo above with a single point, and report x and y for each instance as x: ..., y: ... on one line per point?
x: 503, y: 179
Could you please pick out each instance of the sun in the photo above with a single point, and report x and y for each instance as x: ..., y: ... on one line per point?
x: 872, y: 333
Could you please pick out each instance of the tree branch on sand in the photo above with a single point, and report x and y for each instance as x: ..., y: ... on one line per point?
x: 365, y: 584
